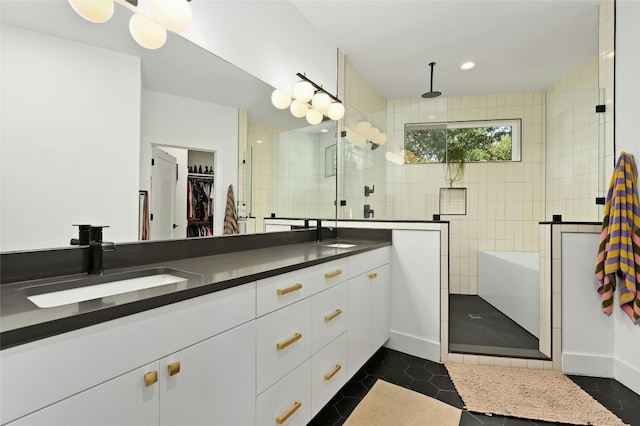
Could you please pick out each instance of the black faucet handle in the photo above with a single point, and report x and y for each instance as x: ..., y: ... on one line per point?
x: 83, y: 235
x: 95, y: 233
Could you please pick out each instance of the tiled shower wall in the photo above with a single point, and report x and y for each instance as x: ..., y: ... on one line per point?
x: 362, y: 165
x: 505, y: 201
x: 289, y: 173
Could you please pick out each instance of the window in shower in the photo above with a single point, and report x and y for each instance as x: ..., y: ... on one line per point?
x: 462, y: 141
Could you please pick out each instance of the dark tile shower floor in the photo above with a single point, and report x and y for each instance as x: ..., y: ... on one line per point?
x: 432, y: 379
x: 475, y: 326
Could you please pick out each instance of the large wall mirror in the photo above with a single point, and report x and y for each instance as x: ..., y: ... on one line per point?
x: 85, y: 111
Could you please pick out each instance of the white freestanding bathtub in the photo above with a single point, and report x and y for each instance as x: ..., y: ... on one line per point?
x: 510, y: 282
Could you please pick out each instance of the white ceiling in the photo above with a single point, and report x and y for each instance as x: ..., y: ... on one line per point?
x: 517, y: 45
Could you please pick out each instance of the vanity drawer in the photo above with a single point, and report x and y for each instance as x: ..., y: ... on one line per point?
x: 363, y: 262
x: 328, y: 372
x: 282, y: 290
x: 329, y: 315
x: 283, y: 342
x: 287, y: 402
x: 330, y: 273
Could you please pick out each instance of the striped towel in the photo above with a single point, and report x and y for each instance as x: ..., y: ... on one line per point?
x: 619, y: 251
x: 230, y: 216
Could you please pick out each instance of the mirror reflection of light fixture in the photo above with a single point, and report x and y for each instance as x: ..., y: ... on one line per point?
x: 303, y: 91
x: 280, y: 99
x: 309, y: 100
x: 97, y: 11
x: 174, y: 15
x: 314, y: 117
x: 149, y: 32
x: 372, y: 135
x: 298, y: 108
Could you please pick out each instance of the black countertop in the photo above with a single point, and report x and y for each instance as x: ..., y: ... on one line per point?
x: 22, y: 321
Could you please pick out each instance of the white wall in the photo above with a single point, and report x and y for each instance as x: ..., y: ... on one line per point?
x: 187, y: 123
x: 66, y: 105
x: 269, y: 39
x: 627, y: 138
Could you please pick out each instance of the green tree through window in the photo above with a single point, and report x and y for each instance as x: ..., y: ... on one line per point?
x: 471, y: 141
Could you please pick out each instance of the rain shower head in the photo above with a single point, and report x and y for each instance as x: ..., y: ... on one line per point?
x: 431, y: 93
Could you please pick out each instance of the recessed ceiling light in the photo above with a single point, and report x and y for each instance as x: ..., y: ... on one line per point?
x: 467, y: 66
x: 258, y: 141
x: 324, y: 130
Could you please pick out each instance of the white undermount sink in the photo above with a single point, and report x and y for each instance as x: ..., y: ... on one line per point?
x: 116, y: 284
x: 340, y: 245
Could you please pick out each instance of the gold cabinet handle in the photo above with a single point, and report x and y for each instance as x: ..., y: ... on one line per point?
x: 173, y: 368
x: 333, y: 372
x: 332, y: 315
x: 150, y: 378
x: 333, y: 274
x: 286, y: 343
x: 285, y: 416
x: 283, y: 291
x: 373, y: 275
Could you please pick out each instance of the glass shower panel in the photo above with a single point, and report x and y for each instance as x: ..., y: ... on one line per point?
x: 574, y: 154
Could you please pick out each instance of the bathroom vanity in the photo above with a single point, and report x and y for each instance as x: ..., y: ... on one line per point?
x: 263, y: 336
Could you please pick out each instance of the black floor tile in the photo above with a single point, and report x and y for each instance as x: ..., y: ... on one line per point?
x: 432, y: 379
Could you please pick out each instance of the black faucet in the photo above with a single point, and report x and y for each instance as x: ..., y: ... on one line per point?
x: 96, y: 248
x: 318, y: 230
x: 368, y: 211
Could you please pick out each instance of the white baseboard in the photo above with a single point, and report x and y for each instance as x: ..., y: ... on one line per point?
x: 413, y: 345
x: 627, y: 375
x: 587, y: 365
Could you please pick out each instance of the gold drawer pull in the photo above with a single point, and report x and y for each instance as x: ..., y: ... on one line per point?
x: 283, y: 291
x: 333, y: 274
x: 331, y: 316
x: 373, y: 275
x: 150, y: 378
x: 283, y: 418
x: 284, y: 344
x: 333, y: 372
x: 173, y: 368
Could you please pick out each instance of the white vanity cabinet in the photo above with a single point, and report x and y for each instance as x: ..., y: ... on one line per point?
x: 98, y: 375
x: 368, y: 307
x: 120, y: 401
x: 210, y: 383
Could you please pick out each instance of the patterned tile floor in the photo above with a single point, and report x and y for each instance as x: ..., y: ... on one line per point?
x: 432, y: 379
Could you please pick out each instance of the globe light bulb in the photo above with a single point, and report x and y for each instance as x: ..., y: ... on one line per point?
x: 321, y: 102
x: 380, y: 139
x: 174, y: 15
x: 280, y: 99
x: 314, y: 117
x: 97, y: 11
x: 363, y: 127
x: 146, y: 32
x: 303, y: 91
x: 335, y: 111
x: 298, y: 108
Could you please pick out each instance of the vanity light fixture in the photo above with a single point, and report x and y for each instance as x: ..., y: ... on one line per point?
x: 309, y: 100
x: 149, y: 27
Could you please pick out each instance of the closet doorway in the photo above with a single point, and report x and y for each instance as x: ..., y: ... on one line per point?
x: 182, y: 193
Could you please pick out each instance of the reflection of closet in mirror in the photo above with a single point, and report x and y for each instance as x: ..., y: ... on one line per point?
x: 188, y: 213
x: 200, y: 193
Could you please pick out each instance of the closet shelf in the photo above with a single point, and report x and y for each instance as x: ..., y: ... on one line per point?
x: 199, y: 222
x: 200, y: 176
